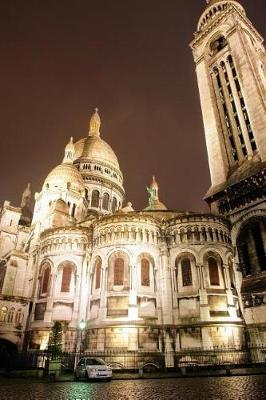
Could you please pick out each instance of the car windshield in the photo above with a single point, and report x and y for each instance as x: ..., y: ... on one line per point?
x: 94, y: 361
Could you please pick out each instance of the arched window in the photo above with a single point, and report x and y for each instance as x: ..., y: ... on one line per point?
x: 186, y: 272
x: 95, y: 197
x: 18, y: 318
x: 3, y: 314
x: 10, y: 315
x: 213, y: 271
x: 45, y: 279
x: 73, y: 210
x: 66, y: 278
x: 218, y: 44
x: 145, y: 272
x: 189, y: 235
x: 114, y: 204
x: 106, y: 199
x: 86, y: 194
x: 119, y: 271
x: 98, y: 267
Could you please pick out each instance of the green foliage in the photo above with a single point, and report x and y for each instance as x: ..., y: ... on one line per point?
x: 55, y: 340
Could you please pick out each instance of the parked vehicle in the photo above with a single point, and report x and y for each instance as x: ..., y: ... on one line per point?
x: 92, y: 368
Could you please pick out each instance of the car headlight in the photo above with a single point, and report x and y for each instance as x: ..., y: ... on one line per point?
x: 93, y: 370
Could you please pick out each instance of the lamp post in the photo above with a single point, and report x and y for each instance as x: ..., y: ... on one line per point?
x: 79, y: 343
x: 82, y: 326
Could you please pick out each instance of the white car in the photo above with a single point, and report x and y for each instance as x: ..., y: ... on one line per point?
x: 92, y: 368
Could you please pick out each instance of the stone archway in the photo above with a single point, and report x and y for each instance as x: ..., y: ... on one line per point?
x: 251, y: 246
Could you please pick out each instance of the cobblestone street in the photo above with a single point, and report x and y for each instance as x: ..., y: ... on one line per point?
x: 225, y: 388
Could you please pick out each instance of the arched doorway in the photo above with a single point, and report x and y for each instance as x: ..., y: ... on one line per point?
x: 6, y: 349
x: 251, y: 246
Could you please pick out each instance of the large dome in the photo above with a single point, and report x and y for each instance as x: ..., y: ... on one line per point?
x: 65, y: 176
x: 95, y: 149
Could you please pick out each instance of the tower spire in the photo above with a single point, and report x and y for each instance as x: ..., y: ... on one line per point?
x: 26, y: 197
x: 95, y: 124
x: 69, y: 152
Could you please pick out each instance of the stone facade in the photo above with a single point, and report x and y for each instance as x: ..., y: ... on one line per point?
x: 153, y: 280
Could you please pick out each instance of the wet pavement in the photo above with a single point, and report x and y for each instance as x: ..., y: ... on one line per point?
x: 221, y: 388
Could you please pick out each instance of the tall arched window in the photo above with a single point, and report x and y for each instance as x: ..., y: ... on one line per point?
x: 86, y: 193
x: 213, y: 271
x: 98, y: 267
x: 189, y: 235
x: 119, y: 272
x: 106, y: 199
x: 114, y: 204
x: 18, y: 318
x: 10, y: 315
x: 145, y: 272
x: 45, y: 279
x: 66, y: 278
x: 3, y: 314
x: 186, y: 272
x: 73, y: 210
x: 95, y: 197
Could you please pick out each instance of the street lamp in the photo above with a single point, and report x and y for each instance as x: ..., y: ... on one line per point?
x: 79, y: 342
x: 82, y: 326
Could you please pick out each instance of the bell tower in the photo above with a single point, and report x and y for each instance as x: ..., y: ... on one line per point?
x: 231, y: 71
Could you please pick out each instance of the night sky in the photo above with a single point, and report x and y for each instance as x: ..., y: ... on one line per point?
x: 60, y: 59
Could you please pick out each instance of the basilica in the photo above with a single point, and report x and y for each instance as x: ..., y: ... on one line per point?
x: 152, y: 280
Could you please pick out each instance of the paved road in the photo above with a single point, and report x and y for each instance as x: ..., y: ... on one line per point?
x: 224, y: 388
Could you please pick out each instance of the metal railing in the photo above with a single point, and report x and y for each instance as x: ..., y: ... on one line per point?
x: 136, y: 360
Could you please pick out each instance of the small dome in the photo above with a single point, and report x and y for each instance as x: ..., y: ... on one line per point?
x: 157, y: 205
x: 65, y: 176
x: 96, y: 149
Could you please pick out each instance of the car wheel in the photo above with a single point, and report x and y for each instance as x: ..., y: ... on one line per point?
x: 76, y: 378
x: 87, y: 376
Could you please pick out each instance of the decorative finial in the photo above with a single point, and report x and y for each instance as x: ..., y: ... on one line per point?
x: 69, y: 152
x: 95, y: 123
x: 26, y: 197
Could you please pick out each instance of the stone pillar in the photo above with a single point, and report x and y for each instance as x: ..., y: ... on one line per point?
x: 206, y: 338
x: 103, y: 298
x: 100, y: 340
x: 50, y: 302
x: 133, y: 305
x: 165, y: 287
x: 177, y: 342
x: 133, y: 339
x: 169, y: 353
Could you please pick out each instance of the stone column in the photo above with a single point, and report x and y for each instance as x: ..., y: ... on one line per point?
x: 103, y: 298
x: 133, y: 339
x: 50, y: 302
x: 206, y: 338
x: 169, y: 353
x: 165, y: 287
x: 133, y: 306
